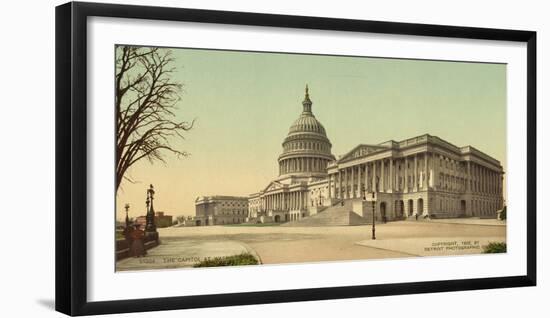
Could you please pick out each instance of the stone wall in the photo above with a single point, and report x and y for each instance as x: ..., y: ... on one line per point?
x: 122, y: 247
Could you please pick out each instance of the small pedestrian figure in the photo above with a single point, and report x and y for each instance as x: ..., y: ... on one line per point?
x: 137, y: 249
x: 416, y: 216
x: 342, y: 203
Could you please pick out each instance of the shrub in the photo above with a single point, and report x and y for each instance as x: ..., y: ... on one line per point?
x: 495, y: 247
x: 234, y: 260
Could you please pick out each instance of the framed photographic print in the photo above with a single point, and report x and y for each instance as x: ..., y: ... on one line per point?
x: 210, y: 158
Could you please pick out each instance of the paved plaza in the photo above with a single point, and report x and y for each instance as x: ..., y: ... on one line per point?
x: 182, y: 252
x: 183, y: 246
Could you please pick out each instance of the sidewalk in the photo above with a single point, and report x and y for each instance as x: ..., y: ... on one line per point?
x: 469, y: 221
x: 180, y: 253
x: 433, y: 246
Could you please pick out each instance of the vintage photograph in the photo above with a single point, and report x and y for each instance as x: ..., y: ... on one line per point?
x: 233, y: 158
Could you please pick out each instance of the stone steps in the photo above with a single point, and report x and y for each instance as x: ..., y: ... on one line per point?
x: 336, y: 215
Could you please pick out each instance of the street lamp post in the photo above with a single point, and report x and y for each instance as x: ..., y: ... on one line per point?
x: 151, y: 234
x: 127, y: 207
x: 150, y: 216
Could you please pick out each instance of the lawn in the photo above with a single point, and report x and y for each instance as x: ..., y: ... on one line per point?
x: 234, y: 260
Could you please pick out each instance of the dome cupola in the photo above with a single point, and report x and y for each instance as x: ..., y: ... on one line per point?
x: 306, y: 149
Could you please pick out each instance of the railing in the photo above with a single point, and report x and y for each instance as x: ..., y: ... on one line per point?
x: 122, y: 246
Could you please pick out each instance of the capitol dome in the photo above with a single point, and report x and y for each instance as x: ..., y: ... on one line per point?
x: 306, y: 148
x: 307, y: 123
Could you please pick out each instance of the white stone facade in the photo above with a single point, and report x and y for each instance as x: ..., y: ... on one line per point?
x: 220, y: 210
x: 424, y: 176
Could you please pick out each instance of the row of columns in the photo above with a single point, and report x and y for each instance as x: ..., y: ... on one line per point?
x: 426, y: 171
x: 285, y: 201
x: 484, y: 180
x: 318, y: 146
x: 302, y: 164
x: 352, y: 181
x: 451, y: 174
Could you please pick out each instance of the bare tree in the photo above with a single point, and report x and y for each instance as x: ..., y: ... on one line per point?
x: 146, y: 98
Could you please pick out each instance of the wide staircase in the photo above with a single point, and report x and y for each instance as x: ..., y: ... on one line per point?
x: 336, y: 215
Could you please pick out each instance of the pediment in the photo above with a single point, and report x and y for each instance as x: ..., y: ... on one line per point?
x: 273, y: 185
x: 361, y: 151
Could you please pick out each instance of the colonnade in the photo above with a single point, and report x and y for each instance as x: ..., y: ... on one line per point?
x: 284, y: 201
x: 302, y: 164
x: 406, y: 174
x: 484, y: 180
x: 412, y: 173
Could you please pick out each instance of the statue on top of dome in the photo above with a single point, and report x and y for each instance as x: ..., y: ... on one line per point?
x: 307, y: 102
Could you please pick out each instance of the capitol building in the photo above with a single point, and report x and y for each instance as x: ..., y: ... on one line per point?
x: 420, y: 177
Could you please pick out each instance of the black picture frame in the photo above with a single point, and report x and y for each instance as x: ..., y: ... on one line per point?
x: 71, y: 157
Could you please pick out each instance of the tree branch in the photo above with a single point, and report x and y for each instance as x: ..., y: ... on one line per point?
x: 146, y: 101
